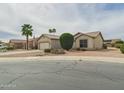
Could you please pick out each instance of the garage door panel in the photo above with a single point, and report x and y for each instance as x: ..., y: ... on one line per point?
x: 44, y: 46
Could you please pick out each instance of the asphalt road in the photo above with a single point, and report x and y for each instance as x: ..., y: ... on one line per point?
x: 59, y: 75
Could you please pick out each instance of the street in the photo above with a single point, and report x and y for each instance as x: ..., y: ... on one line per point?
x: 61, y: 75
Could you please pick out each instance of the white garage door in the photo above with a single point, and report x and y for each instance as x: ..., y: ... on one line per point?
x: 44, y: 46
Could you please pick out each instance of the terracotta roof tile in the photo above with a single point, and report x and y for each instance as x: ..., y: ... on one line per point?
x: 93, y: 34
x: 51, y: 36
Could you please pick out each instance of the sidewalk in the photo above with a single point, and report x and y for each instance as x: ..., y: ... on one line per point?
x: 78, y: 58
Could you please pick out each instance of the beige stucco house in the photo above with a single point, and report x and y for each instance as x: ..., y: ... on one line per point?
x: 47, y: 41
x: 21, y: 44
x: 88, y: 41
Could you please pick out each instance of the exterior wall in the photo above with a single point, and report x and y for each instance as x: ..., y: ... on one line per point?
x: 30, y: 44
x: 55, y: 44
x: 90, y: 42
x: 74, y: 46
x: 44, y: 40
x: 17, y: 45
x: 98, y: 42
x: 35, y: 43
x: 21, y: 45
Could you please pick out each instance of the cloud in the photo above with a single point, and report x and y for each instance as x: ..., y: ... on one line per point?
x: 64, y: 17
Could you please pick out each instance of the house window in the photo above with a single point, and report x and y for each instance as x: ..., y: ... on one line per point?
x: 83, y: 43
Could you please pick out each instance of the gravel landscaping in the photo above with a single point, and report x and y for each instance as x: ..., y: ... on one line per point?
x: 110, y: 52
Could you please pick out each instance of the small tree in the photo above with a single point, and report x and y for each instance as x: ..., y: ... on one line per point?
x: 122, y: 48
x: 52, y: 30
x: 66, y: 41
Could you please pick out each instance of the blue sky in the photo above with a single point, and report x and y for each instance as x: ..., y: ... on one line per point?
x: 107, y: 18
x: 114, y: 6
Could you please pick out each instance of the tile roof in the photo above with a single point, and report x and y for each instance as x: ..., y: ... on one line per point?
x: 90, y: 34
x: 51, y: 36
x: 93, y: 34
x: 19, y: 40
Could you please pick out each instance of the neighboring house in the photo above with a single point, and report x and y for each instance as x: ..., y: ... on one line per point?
x: 3, y: 45
x: 88, y: 41
x: 17, y: 43
x: 47, y: 41
x: 21, y: 44
x: 111, y: 42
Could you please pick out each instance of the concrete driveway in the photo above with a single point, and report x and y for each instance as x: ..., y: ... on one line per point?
x: 60, y: 74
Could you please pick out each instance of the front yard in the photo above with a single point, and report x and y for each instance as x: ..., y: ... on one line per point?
x: 22, y: 53
x: 110, y: 52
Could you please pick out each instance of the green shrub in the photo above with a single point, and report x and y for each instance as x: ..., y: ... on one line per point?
x: 3, y: 49
x: 57, y: 51
x: 9, y: 48
x: 118, y: 45
x: 66, y: 41
x: 122, y: 48
x: 83, y: 49
x: 78, y: 49
x: 47, y: 50
x: 113, y: 44
x: 119, y: 42
x: 104, y: 46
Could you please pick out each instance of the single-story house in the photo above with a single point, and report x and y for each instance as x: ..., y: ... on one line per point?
x: 88, y: 41
x: 111, y: 42
x: 48, y: 41
x: 21, y: 44
x: 17, y: 44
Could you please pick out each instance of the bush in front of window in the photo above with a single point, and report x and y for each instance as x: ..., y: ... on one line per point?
x: 66, y: 41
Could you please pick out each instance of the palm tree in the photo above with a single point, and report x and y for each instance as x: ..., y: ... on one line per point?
x: 52, y: 30
x: 27, y: 31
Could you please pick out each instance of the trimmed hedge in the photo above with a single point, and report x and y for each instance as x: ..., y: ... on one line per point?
x: 66, y: 41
